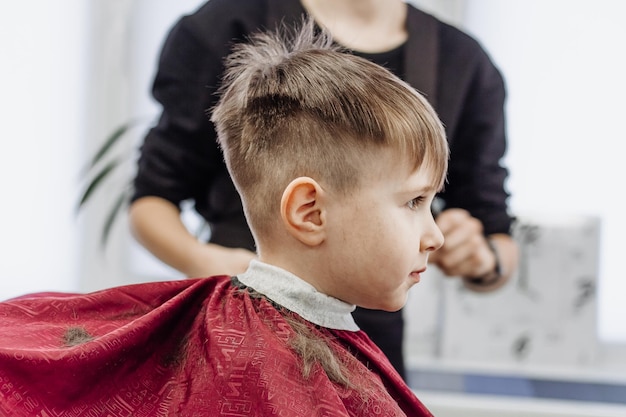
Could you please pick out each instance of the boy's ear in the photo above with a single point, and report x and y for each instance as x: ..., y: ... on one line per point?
x: 302, y: 210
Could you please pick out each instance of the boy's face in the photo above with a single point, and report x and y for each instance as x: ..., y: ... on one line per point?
x: 380, y: 236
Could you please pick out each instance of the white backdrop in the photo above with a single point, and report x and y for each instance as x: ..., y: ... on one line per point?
x: 42, y: 78
x: 564, y: 63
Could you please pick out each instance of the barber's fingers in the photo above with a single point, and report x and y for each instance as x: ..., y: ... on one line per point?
x: 470, y: 258
x: 465, y: 251
x: 458, y: 226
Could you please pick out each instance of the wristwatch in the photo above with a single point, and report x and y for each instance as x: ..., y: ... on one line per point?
x: 492, y: 277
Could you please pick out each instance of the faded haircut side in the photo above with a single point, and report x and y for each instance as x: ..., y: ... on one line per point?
x: 294, y: 104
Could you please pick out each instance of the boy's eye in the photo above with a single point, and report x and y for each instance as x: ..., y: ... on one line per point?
x: 415, y: 203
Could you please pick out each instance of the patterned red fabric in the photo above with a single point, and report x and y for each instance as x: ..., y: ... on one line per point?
x: 182, y: 348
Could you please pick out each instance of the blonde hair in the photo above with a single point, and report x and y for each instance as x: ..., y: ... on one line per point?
x: 293, y: 104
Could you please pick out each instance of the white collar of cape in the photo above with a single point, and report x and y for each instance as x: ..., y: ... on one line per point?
x: 298, y: 296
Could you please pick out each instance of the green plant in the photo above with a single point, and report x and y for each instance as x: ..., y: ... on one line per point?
x: 103, y: 167
x: 100, y: 168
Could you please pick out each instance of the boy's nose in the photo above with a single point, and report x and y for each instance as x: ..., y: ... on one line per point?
x: 432, y: 239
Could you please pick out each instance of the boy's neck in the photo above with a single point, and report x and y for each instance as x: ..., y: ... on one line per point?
x: 362, y: 25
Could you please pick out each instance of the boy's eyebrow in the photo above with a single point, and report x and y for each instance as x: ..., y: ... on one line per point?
x: 414, y: 191
x: 423, y: 189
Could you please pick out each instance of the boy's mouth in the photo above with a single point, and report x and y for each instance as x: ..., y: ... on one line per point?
x: 416, y: 274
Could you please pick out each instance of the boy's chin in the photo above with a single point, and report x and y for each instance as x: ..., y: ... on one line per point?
x: 393, y: 305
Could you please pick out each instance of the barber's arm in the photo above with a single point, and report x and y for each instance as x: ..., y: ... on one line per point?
x: 156, y: 224
x: 180, y: 157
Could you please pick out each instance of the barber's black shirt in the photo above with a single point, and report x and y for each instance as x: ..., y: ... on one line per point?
x: 180, y: 158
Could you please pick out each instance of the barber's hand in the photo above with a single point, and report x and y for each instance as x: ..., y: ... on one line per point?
x: 211, y: 259
x: 465, y: 251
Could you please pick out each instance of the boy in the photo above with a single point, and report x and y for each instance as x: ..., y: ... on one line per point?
x: 337, y: 162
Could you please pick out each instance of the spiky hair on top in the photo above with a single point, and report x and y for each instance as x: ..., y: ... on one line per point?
x: 294, y: 104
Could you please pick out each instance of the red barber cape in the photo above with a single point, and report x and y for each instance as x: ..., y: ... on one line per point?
x: 199, y: 347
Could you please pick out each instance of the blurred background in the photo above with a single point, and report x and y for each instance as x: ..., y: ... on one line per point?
x: 73, y: 71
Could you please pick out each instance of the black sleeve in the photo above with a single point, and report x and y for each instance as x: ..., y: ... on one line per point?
x: 180, y: 158
x: 476, y: 176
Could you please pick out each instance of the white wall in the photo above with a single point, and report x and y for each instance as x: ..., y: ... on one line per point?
x: 41, y: 107
x: 564, y: 63
x: 71, y: 73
